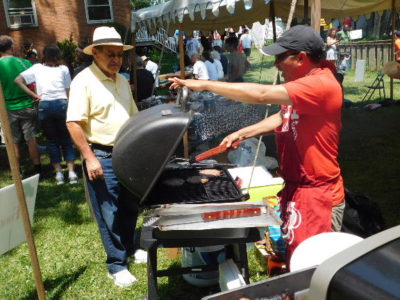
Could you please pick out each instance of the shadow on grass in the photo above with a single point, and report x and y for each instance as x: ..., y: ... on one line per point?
x: 56, y: 287
x: 63, y: 201
x: 178, y: 288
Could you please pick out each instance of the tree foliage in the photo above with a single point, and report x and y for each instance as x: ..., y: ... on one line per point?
x: 138, y: 4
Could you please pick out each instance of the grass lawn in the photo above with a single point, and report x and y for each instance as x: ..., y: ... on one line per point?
x: 68, y: 244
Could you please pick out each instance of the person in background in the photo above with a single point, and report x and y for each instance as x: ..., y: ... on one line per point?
x: 344, y: 35
x: 222, y: 58
x: 192, y: 46
x: 152, y: 67
x: 307, y: 130
x: 100, y: 102
x: 217, y: 39
x: 331, y: 42
x: 237, y: 62
x: 246, y: 42
x: 83, y: 60
x: 205, y: 42
x: 145, y: 80
x: 199, y: 68
x: 31, y: 55
x: 220, y: 70
x: 22, y: 113
x: 211, y: 66
x: 52, y: 85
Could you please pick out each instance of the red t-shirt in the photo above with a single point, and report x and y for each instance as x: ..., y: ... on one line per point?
x: 316, y: 124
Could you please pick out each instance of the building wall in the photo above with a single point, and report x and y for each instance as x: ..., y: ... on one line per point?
x: 59, y: 20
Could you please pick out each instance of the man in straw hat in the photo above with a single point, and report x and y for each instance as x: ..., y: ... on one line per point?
x: 100, y: 102
x: 307, y: 131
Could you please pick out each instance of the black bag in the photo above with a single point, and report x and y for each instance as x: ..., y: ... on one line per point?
x: 361, y: 217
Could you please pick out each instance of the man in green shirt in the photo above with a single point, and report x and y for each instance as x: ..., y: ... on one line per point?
x: 22, y: 113
x: 344, y: 35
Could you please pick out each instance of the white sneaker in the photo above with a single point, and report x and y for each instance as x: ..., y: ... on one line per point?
x: 140, y: 256
x: 59, y: 178
x: 72, y: 178
x: 123, y: 278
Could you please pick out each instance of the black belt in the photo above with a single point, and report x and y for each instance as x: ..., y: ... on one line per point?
x: 102, y: 147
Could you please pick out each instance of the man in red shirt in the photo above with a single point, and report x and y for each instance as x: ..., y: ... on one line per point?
x: 307, y: 131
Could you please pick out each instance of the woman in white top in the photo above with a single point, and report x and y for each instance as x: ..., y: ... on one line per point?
x: 211, y: 66
x: 199, y: 68
x: 331, y: 42
x: 52, y: 80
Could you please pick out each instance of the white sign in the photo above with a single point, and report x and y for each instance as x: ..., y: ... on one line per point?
x: 11, y: 228
x: 360, y: 70
x: 356, y: 34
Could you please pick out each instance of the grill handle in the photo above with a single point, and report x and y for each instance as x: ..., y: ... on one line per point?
x: 182, y: 99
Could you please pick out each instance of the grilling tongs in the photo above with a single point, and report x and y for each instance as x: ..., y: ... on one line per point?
x: 214, y: 151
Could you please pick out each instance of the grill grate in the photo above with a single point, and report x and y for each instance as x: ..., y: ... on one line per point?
x: 217, y: 189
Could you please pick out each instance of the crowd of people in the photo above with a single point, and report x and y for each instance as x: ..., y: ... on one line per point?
x: 334, y: 38
x: 100, y: 100
x: 206, y: 58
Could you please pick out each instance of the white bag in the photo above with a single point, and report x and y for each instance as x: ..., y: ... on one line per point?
x: 244, y: 155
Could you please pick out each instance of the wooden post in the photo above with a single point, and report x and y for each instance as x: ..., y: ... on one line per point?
x: 316, y: 14
x: 14, y: 165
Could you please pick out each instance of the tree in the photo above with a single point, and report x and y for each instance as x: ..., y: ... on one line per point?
x: 138, y: 4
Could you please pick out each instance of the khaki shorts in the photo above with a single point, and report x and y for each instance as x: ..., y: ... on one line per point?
x: 337, y: 216
x: 23, y: 123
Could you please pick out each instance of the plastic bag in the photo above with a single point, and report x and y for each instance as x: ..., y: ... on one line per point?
x: 244, y: 155
x: 362, y: 216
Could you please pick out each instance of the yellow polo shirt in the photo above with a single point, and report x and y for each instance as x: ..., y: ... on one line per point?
x: 101, y: 104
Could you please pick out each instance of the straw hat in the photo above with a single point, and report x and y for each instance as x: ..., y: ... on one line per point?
x: 106, y: 36
x: 392, y: 69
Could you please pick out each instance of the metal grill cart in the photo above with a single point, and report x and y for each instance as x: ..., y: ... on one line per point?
x: 369, y: 270
x: 187, y: 209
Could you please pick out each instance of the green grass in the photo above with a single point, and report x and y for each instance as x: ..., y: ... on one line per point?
x: 70, y: 252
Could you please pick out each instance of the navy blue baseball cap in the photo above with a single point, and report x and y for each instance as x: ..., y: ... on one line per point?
x: 299, y: 38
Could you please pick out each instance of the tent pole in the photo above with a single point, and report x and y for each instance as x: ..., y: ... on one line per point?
x: 14, y: 165
x: 305, y: 20
x: 182, y: 75
x: 272, y: 17
x: 291, y: 13
x: 393, y: 34
x: 134, y: 67
x: 181, y: 52
x: 316, y: 14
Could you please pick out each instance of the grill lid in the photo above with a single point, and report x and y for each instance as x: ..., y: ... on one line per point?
x: 145, y: 144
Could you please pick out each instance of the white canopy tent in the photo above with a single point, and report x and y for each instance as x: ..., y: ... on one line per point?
x: 219, y: 14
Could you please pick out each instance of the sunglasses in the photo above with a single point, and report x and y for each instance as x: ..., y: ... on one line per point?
x: 282, y: 56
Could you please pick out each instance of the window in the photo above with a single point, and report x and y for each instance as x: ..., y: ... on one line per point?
x: 20, y: 13
x: 99, y: 11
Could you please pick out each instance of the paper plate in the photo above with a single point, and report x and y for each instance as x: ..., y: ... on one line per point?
x: 316, y: 249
